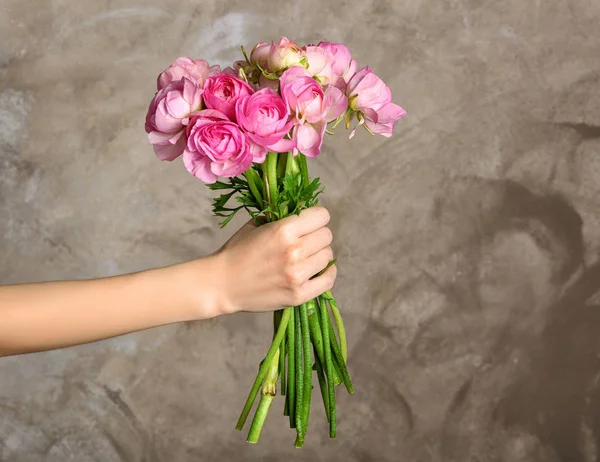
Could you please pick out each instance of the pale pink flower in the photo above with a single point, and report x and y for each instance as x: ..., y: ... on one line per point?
x: 215, y: 147
x: 168, y: 114
x: 222, y: 91
x: 312, y: 108
x: 319, y: 65
x: 260, y: 54
x: 264, y: 117
x: 276, y: 57
x: 343, y: 67
x: 197, y: 70
x: 372, y: 99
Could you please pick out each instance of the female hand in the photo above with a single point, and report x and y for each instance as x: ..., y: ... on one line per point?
x: 269, y: 267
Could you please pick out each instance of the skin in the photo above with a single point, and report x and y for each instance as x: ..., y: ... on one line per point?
x: 259, y: 269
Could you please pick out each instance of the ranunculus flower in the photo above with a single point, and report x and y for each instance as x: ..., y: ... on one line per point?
x: 260, y: 54
x: 318, y: 64
x: 222, y: 91
x: 372, y: 99
x: 215, y: 147
x: 197, y: 70
x: 264, y: 117
x: 283, y: 55
x: 311, y: 107
x: 168, y: 114
x: 343, y: 67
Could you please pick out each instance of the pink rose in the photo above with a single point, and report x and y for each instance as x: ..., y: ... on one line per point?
x: 222, y: 91
x: 215, y: 147
x: 167, y: 115
x: 343, y: 67
x: 372, y: 99
x: 312, y: 108
x: 197, y: 70
x: 264, y: 117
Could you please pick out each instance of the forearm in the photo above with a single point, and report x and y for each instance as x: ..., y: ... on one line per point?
x: 42, y: 316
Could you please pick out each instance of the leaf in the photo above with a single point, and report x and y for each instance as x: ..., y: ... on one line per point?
x: 227, y: 220
x: 222, y: 199
x: 219, y: 185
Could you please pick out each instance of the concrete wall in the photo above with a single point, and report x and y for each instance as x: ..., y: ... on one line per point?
x: 468, y: 243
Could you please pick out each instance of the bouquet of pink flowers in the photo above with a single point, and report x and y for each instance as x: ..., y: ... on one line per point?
x: 254, y: 125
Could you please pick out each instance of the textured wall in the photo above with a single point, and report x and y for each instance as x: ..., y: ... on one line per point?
x: 468, y: 243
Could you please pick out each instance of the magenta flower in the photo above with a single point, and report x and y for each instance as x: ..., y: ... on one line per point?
x: 215, y: 147
x: 168, y: 114
x: 264, y: 117
x: 311, y: 108
x: 197, y: 70
x: 222, y: 91
x: 372, y: 99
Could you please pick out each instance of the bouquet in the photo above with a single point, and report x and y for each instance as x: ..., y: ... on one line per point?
x: 247, y: 131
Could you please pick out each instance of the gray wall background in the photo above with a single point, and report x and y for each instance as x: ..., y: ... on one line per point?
x: 468, y: 243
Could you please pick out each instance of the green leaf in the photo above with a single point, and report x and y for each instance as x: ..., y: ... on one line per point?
x: 227, y: 220
x: 219, y: 185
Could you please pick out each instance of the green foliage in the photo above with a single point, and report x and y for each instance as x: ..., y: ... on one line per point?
x: 295, y: 192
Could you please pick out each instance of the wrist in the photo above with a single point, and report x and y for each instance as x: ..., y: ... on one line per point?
x: 203, y: 284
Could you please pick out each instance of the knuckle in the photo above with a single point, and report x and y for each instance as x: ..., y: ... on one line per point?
x: 285, y: 235
x: 297, y: 296
x: 293, y: 277
x: 293, y: 254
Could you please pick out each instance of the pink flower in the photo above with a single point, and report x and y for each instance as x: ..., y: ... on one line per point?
x: 260, y: 54
x: 319, y: 65
x: 311, y: 107
x: 197, y: 70
x: 215, y: 147
x: 343, y: 67
x: 283, y: 55
x: 372, y: 99
x: 264, y: 117
x: 167, y: 115
x: 222, y: 91
x: 275, y: 57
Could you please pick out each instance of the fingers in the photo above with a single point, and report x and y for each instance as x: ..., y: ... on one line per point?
x: 315, y: 287
x: 315, y: 263
x: 312, y: 243
x: 308, y: 221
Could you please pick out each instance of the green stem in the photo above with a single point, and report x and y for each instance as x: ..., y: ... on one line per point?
x: 303, y: 168
x: 253, y: 182
x: 323, y: 386
x: 317, y: 338
x: 339, y: 358
x: 325, y: 322
x: 291, y: 166
x: 291, y: 380
x: 339, y: 322
x: 269, y: 390
x: 272, y: 176
x: 262, y: 372
x: 299, y: 371
x: 307, y: 373
x: 281, y: 165
x: 282, y: 354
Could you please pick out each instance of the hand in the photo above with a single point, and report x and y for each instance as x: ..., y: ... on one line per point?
x: 269, y: 267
